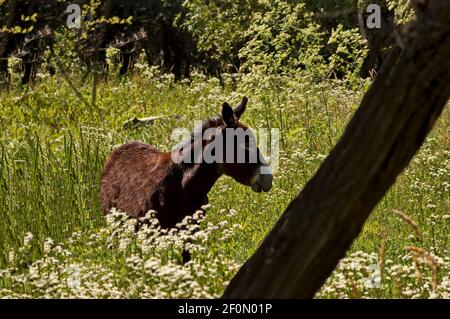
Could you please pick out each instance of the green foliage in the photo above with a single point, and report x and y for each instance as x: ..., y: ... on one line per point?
x: 268, y: 36
x: 348, y: 56
x: 219, y: 27
x: 65, y: 49
x: 282, y: 36
x: 277, y: 37
x: 403, y: 10
x: 271, y: 36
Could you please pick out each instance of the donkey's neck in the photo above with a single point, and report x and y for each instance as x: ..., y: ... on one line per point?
x: 198, y: 179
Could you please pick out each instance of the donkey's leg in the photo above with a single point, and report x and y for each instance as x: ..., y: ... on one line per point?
x: 186, y: 256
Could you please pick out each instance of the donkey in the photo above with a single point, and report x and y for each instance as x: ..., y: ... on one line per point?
x: 137, y: 177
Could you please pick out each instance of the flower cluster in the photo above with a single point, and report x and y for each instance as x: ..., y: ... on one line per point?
x: 128, y: 258
x: 363, y: 275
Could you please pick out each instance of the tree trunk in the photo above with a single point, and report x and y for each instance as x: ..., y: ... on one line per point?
x: 391, y: 124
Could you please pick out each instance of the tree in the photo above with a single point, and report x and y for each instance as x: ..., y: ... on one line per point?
x: 391, y: 124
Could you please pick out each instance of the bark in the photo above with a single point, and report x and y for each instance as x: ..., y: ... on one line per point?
x: 391, y: 124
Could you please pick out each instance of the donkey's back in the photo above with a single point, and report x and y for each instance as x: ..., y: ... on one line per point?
x: 132, y: 177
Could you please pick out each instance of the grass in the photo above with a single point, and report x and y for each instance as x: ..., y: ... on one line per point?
x: 52, y: 149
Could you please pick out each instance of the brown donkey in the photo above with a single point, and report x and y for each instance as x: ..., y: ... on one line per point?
x: 137, y: 177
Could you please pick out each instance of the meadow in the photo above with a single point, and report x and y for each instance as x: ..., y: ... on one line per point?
x: 55, y: 241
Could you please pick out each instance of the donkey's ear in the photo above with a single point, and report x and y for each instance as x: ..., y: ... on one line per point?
x: 228, y: 115
x: 241, y: 107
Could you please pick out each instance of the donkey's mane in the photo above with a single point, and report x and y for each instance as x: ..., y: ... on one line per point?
x: 210, y: 122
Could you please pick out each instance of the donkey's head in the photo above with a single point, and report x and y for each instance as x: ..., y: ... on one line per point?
x: 240, y: 157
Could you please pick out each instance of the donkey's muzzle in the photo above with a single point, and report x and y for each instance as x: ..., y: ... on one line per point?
x: 262, y: 183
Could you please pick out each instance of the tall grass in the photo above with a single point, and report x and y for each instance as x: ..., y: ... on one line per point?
x: 49, y: 188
